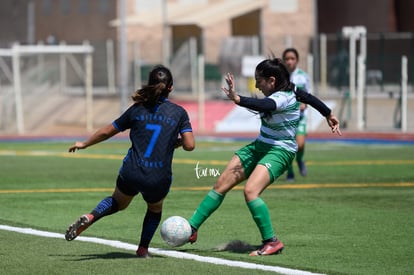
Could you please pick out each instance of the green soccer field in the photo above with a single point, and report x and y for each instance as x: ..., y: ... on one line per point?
x: 352, y: 214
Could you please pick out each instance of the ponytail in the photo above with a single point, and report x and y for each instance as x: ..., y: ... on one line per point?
x: 160, y: 83
x: 150, y: 95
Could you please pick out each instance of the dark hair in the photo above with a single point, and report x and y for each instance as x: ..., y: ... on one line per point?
x: 292, y: 50
x: 160, y: 81
x: 276, y: 68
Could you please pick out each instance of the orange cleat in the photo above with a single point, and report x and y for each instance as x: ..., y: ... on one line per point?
x: 193, y: 237
x: 269, y: 248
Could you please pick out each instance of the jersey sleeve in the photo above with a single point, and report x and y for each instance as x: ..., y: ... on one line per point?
x: 124, y: 122
x: 185, y: 123
x: 313, y: 101
x: 257, y: 104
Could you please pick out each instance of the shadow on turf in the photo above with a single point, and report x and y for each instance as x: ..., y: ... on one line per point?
x: 237, y: 246
x: 111, y: 255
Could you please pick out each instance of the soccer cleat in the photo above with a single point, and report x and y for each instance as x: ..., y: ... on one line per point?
x: 142, y: 252
x: 290, y: 177
x: 78, y: 227
x: 302, y: 168
x: 269, y: 248
x: 193, y: 237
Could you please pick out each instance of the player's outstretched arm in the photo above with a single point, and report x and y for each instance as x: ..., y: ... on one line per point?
x: 313, y: 101
x: 100, y: 135
x: 321, y: 107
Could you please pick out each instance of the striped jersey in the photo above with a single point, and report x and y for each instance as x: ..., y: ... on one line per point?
x: 279, y: 127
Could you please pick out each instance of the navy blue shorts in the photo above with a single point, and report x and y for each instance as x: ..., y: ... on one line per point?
x: 151, y: 193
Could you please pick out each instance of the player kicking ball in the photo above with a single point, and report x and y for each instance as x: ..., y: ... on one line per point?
x: 157, y: 126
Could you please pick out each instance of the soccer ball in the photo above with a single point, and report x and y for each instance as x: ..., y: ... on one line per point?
x: 175, y: 231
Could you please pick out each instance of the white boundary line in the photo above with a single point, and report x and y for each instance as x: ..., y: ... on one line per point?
x: 168, y: 253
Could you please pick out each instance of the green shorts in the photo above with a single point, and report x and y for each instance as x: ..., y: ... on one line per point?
x: 301, y: 130
x: 275, y: 158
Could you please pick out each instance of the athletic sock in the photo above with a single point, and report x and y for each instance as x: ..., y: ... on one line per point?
x: 149, y: 226
x: 207, y: 206
x: 261, y: 216
x: 272, y: 239
x: 107, y: 206
x: 299, y: 156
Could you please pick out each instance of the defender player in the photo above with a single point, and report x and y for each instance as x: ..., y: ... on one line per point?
x: 261, y: 162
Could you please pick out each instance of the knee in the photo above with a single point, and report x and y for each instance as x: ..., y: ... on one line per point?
x: 122, y: 199
x: 250, y: 193
x: 122, y: 204
x: 155, y: 207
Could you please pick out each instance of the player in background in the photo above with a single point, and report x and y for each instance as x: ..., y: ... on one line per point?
x: 157, y: 126
x: 261, y: 162
x: 301, y: 79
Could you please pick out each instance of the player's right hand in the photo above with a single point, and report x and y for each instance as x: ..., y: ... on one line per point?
x: 78, y: 145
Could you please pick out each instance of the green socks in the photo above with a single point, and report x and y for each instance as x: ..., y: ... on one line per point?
x: 207, y: 206
x: 261, y: 216
x: 257, y: 207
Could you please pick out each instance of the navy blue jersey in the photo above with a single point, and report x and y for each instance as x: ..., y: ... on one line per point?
x: 153, y: 134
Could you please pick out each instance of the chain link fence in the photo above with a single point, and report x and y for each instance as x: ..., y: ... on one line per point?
x: 47, y: 93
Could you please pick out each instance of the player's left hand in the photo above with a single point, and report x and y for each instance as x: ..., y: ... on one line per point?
x: 231, y: 90
x: 333, y: 122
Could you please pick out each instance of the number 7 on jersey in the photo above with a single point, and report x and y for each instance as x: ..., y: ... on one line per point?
x: 157, y: 130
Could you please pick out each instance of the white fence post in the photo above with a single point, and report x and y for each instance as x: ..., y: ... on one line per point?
x: 17, y: 88
x: 193, y: 64
x: 404, y: 79
x: 89, y: 90
x: 110, y: 65
x: 360, y: 94
x: 40, y: 63
x: 62, y: 69
x: 352, y: 58
x: 323, y: 57
x: 201, y: 93
x: 137, y: 66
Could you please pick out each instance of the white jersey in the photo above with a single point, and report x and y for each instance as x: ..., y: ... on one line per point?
x: 301, y: 80
x: 279, y: 127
